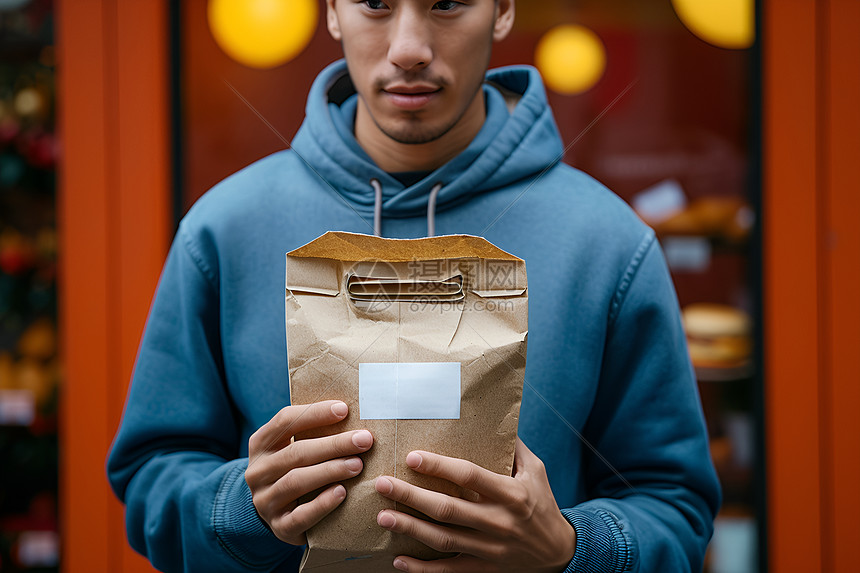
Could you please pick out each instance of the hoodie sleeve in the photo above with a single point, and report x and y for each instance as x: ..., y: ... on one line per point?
x: 175, y: 462
x: 652, y: 500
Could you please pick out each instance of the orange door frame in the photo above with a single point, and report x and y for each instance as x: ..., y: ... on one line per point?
x: 811, y: 210
x: 839, y: 238
x: 114, y: 224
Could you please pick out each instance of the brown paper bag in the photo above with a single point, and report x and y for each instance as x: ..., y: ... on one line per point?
x: 425, y: 340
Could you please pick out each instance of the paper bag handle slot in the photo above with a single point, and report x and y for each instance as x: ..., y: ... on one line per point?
x: 395, y: 289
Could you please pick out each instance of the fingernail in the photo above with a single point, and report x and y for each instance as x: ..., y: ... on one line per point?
x: 413, y: 460
x: 339, y: 409
x: 384, y: 485
x: 385, y: 520
x: 339, y: 492
x: 353, y: 464
x: 400, y: 564
x: 362, y: 439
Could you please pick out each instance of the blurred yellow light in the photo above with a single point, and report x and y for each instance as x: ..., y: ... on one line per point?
x: 570, y: 58
x: 262, y: 33
x: 723, y: 23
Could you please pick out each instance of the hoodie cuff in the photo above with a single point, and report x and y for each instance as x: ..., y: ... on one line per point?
x: 601, y: 546
x: 238, y: 527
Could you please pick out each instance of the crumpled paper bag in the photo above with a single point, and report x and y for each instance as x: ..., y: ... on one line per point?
x: 425, y: 340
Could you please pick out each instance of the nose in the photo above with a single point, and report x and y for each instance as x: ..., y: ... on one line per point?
x: 409, y: 45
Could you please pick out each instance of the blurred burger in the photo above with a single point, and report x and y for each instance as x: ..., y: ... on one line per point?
x: 718, y: 336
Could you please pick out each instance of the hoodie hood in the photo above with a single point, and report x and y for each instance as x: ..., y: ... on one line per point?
x: 511, y: 146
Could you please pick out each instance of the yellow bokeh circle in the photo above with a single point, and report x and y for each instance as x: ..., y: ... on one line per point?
x: 571, y: 58
x: 263, y: 33
x: 723, y: 23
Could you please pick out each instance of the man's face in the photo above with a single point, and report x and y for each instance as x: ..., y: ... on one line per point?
x: 418, y: 65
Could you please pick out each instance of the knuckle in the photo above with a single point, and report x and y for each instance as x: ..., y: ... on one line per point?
x: 293, y: 455
x: 276, y: 524
x: 498, y: 552
x: 292, y: 524
x: 404, y: 495
x: 264, y: 506
x: 342, y: 445
x: 257, y: 500
x: 522, y: 512
x: 284, y: 416
x: 430, y: 464
x: 252, y: 477
x: 519, y: 496
x: 254, y: 442
x: 506, y: 526
x: 334, y: 471
x: 287, y: 485
x: 446, y: 511
x: 446, y: 543
x: 470, y: 476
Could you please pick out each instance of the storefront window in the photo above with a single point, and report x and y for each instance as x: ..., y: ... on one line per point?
x: 654, y: 98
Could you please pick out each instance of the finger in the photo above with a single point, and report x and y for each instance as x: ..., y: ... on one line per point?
x: 293, y: 419
x: 317, y: 450
x: 438, y: 506
x: 456, y: 564
x: 304, y: 453
x: 302, y: 481
x: 439, y: 537
x: 461, y: 472
x: 291, y: 527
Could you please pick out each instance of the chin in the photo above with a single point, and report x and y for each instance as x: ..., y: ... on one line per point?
x: 415, y: 134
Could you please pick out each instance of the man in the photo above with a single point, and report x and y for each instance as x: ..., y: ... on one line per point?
x: 612, y: 472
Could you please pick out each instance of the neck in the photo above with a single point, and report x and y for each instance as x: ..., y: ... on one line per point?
x: 393, y: 156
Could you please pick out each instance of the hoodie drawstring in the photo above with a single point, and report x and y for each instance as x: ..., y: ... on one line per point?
x: 431, y: 210
x: 377, y: 208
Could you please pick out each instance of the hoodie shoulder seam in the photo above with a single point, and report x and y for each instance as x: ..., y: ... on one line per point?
x: 629, y: 275
x: 197, y: 258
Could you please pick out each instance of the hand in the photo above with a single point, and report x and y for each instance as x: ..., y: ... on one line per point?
x: 281, y: 470
x: 513, y: 524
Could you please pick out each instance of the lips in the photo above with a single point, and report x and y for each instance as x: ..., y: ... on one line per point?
x: 411, y: 97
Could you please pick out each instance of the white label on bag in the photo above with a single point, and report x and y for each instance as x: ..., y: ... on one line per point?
x: 409, y: 390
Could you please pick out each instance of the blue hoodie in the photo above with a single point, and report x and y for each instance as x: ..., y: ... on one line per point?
x: 610, y: 403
